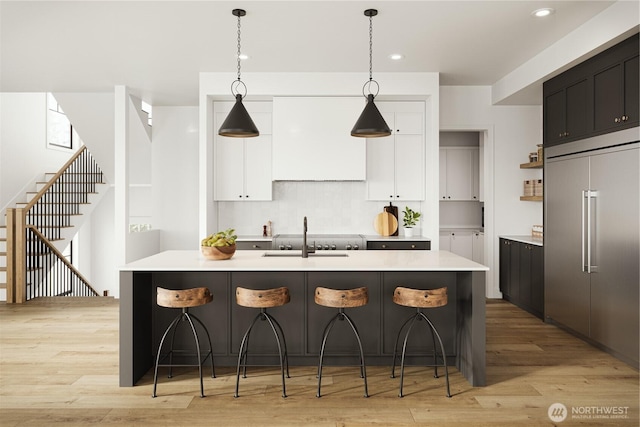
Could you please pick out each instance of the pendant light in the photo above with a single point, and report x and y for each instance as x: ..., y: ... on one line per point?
x: 238, y: 123
x: 370, y: 124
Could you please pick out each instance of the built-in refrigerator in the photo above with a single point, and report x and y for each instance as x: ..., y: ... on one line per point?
x: 592, y: 240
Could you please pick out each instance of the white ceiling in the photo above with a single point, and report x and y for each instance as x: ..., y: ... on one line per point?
x: 157, y: 48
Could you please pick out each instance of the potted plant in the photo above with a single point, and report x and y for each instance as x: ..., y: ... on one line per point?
x: 409, y: 220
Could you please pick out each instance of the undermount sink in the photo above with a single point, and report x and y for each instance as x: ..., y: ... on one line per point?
x: 298, y: 254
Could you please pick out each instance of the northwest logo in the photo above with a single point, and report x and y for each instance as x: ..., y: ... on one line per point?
x: 557, y: 412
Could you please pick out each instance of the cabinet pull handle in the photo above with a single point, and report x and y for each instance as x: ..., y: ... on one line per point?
x: 384, y: 246
x: 413, y: 246
x: 616, y: 120
x: 625, y: 118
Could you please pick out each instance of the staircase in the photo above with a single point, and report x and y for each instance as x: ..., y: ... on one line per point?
x: 37, y: 232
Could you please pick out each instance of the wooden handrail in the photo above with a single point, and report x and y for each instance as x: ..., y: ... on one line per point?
x: 50, y: 183
x: 61, y: 257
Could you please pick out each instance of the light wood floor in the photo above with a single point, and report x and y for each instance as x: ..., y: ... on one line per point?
x: 59, y: 366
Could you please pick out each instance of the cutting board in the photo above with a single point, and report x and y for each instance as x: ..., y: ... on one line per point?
x: 393, y: 210
x: 385, y: 224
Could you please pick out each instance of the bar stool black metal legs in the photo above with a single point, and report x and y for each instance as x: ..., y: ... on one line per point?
x: 263, y: 299
x: 183, y: 299
x: 419, y: 299
x: 341, y: 299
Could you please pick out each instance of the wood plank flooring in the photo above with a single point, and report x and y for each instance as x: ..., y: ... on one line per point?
x: 59, y: 366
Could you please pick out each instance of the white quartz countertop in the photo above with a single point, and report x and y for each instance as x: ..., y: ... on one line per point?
x: 525, y: 239
x: 251, y: 260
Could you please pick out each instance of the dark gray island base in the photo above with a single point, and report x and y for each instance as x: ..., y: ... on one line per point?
x: 461, y: 323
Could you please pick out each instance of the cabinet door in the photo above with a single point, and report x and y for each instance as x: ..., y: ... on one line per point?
x: 537, y: 280
x: 445, y: 241
x: 459, y: 174
x: 407, y: 123
x: 631, y: 90
x: 409, y: 167
x: 554, y: 117
x: 607, y: 98
x: 478, y: 247
x: 505, y: 263
x: 461, y: 243
x: 381, y: 168
x: 443, y: 174
x: 576, y: 113
x: 514, y: 270
x: 229, y: 168
x: 524, y: 278
x: 475, y: 174
x: 258, y: 184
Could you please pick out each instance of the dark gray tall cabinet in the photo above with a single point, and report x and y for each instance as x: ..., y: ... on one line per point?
x: 591, y: 200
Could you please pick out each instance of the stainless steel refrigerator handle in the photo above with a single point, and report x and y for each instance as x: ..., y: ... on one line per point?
x: 591, y: 194
x: 588, y: 231
x: 584, y: 264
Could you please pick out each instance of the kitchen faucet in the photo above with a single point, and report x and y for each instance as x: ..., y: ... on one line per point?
x: 305, y: 249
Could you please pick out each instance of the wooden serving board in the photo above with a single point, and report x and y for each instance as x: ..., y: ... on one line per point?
x: 385, y: 224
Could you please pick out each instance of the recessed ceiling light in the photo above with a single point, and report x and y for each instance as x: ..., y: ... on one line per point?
x: 396, y: 56
x: 244, y: 57
x: 545, y: 11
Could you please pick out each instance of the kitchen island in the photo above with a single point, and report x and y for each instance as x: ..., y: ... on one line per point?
x: 461, y: 323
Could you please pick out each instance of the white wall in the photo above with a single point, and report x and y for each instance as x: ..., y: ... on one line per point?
x: 175, y: 176
x: 24, y: 154
x: 510, y: 134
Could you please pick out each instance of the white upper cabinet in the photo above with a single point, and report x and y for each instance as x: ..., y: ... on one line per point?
x: 459, y: 173
x: 243, y: 165
x: 312, y: 139
x: 395, y: 164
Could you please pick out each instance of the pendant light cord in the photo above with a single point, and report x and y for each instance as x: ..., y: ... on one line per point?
x: 370, y: 47
x: 238, y: 47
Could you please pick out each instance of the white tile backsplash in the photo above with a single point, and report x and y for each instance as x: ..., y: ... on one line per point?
x: 330, y: 207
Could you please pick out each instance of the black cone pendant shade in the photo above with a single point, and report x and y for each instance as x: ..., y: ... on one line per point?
x: 370, y: 124
x: 238, y: 123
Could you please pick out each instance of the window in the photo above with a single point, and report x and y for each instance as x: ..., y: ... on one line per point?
x: 58, y: 126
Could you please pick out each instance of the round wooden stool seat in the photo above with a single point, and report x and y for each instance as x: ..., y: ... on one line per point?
x: 262, y: 298
x: 184, y: 298
x: 342, y: 298
x: 420, y: 298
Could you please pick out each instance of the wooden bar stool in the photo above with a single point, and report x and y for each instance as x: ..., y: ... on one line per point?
x: 263, y: 299
x: 342, y: 299
x: 183, y: 299
x: 419, y: 299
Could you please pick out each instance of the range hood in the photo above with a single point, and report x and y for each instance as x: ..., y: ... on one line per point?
x: 312, y: 140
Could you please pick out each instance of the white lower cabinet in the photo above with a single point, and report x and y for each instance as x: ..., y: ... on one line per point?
x: 460, y: 242
x: 477, y: 247
x: 242, y: 170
